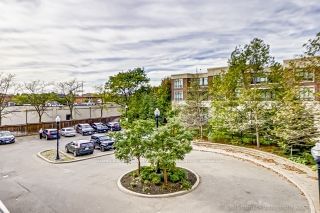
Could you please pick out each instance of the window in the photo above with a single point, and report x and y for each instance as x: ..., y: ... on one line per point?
x: 178, y: 83
x: 267, y: 95
x: 178, y: 96
x: 307, y: 93
x: 259, y: 80
x: 203, y: 81
x: 306, y: 75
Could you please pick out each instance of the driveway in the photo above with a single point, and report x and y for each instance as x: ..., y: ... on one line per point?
x: 29, y: 184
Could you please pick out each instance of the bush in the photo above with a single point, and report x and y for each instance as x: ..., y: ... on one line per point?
x: 155, y: 178
x: 185, y: 184
x: 146, y: 172
x: 174, y: 178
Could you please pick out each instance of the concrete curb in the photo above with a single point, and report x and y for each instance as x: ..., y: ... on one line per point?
x: 259, y: 163
x: 71, y: 161
x: 3, y: 208
x: 125, y: 190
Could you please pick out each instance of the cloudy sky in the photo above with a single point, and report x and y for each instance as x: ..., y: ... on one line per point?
x: 57, y: 40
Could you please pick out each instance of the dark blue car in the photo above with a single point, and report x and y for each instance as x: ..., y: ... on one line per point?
x: 50, y: 134
x: 114, y: 126
x: 6, y: 137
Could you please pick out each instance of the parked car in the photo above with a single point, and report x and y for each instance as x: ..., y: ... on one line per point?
x: 80, y: 147
x: 114, y: 126
x: 50, y: 134
x: 103, y: 142
x: 68, y: 132
x: 84, y: 129
x: 100, y: 127
x: 6, y: 137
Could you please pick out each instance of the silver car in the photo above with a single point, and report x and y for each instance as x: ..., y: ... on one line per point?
x: 68, y: 132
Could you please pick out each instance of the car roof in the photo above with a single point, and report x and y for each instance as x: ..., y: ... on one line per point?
x: 67, y: 128
x: 82, y: 141
x: 98, y: 135
x: 5, y: 132
x: 85, y: 124
x: 51, y: 129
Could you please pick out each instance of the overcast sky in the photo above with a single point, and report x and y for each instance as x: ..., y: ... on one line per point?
x: 56, y: 40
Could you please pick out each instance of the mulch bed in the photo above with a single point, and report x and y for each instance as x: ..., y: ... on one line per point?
x: 51, y: 155
x: 156, y: 189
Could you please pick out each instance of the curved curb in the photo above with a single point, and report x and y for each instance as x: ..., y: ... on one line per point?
x: 174, y: 194
x: 278, y: 172
x: 70, y: 161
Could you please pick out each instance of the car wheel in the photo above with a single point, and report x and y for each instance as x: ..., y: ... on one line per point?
x: 75, y: 153
x: 103, y: 149
x: 67, y: 151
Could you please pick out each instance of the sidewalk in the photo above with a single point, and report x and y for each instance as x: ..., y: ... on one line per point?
x: 301, y: 176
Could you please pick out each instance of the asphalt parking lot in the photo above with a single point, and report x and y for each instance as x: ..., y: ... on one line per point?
x: 29, y: 184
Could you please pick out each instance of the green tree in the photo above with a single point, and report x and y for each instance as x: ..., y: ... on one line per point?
x: 167, y: 145
x: 37, y: 96
x: 250, y: 65
x: 293, y: 120
x: 124, y: 84
x: 194, y: 113
x: 133, y: 142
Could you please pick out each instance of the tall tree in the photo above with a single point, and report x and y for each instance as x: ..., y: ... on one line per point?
x: 293, y: 120
x: 167, y: 145
x: 194, y: 113
x: 6, y: 83
x: 133, y: 143
x: 37, y: 96
x: 69, y: 91
x: 124, y: 84
x: 251, y: 65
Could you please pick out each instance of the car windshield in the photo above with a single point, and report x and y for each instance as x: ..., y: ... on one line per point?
x: 86, y: 126
x: 69, y: 130
x: 53, y: 131
x: 5, y: 134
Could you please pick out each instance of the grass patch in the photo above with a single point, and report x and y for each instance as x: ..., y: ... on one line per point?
x: 51, y: 155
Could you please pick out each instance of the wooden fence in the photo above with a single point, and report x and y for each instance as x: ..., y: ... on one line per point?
x: 32, y: 128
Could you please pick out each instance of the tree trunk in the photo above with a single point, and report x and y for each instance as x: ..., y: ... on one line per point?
x: 139, y: 165
x: 40, y: 118
x: 165, y: 176
x: 257, y: 130
x: 0, y: 118
x: 201, y: 132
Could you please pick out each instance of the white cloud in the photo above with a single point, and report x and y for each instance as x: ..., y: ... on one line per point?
x: 93, y: 39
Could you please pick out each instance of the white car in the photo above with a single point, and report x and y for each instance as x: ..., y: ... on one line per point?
x: 68, y: 132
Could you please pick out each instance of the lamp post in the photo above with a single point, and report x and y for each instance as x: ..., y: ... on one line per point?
x: 58, y: 135
x: 315, y: 151
x: 157, y: 114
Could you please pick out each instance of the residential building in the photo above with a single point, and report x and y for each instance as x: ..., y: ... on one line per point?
x: 309, y: 85
x: 180, y: 83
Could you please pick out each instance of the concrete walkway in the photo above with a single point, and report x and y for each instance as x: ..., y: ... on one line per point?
x: 301, y: 176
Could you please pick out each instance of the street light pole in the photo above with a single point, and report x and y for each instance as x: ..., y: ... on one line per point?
x: 157, y: 114
x: 315, y: 151
x: 58, y: 135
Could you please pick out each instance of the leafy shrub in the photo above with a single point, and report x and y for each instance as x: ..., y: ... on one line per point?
x: 146, y: 172
x: 155, y: 178
x: 174, y: 178
x: 146, y: 189
x: 185, y: 184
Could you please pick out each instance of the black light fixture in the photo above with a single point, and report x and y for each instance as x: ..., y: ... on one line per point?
x: 58, y: 135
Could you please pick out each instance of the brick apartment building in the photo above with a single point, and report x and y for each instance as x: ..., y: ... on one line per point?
x: 310, y: 84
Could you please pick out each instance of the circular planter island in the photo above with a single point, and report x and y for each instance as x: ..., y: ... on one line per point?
x: 151, y: 185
